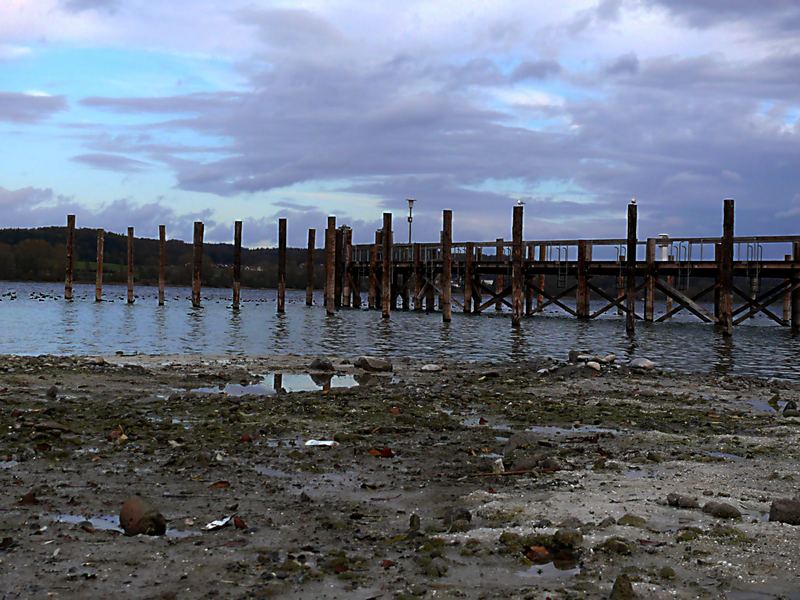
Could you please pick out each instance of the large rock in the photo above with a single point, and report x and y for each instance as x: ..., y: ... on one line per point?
x: 138, y: 516
x: 785, y: 510
x: 623, y: 589
x: 321, y: 364
x: 721, y: 510
x: 682, y: 501
x: 642, y: 363
x: 372, y: 363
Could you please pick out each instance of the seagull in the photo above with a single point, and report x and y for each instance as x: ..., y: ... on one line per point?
x: 520, y: 202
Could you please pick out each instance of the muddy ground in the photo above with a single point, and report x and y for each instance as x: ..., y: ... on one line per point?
x: 409, y: 503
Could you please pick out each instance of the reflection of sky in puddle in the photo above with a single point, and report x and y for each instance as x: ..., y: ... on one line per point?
x: 272, y: 383
x: 568, y: 430
x: 551, y: 571
x: 111, y: 523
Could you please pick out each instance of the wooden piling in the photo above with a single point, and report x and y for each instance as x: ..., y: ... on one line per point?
x: 372, y: 291
x: 386, y: 270
x: 671, y: 283
x: 312, y: 241
x: 98, y: 278
x: 540, y: 297
x: 447, y: 266
x: 787, y: 295
x: 237, y: 264
x: 582, y: 291
x: 197, y: 263
x: 630, y: 292
x: 338, y: 266
x: 330, y: 266
x: 796, y: 286
x: 130, y: 266
x: 717, y: 287
x: 650, y: 281
x: 726, y: 271
x: 499, y: 279
x: 528, y: 287
x: 417, y: 277
x: 517, y: 270
x: 468, y: 276
x: 281, y: 308
x: 347, y: 247
x: 162, y: 262
x: 70, y: 262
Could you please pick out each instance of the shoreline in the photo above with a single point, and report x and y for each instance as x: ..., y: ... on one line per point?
x: 411, y: 501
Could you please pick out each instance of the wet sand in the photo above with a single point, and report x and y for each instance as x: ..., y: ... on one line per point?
x: 410, y: 501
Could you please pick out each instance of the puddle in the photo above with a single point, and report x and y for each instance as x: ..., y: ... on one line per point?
x: 111, y: 523
x: 552, y: 429
x: 475, y: 421
x: 8, y: 464
x: 763, y: 406
x: 552, y: 570
x: 724, y: 455
x: 637, y: 473
x: 284, y: 383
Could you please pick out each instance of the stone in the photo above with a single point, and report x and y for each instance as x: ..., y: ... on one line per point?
x: 457, y: 513
x: 667, y: 573
x: 568, y: 538
x: 642, y: 363
x: 609, y: 358
x: 550, y: 464
x: 593, y: 365
x: 431, y: 368
x: 138, y: 516
x: 785, y: 510
x: 52, y: 392
x: 607, y: 522
x: 790, y: 409
x: 721, y: 510
x: 629, y: 520
x: 623, y: 589
x: 682, y: 501
x: 321, y: 364
x: 372, y: 363
x: 616, y: 545
x: 575, y: 355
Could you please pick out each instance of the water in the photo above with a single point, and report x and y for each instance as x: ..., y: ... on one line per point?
x: 274, y: 383
x: 36, y: 320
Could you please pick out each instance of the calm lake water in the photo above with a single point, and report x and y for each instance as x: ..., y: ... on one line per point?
x: 35, y: 319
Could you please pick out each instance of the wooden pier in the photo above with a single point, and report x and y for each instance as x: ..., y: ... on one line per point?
x: 634, y: 277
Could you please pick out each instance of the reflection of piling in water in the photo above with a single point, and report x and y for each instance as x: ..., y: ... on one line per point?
x: 422, y: 270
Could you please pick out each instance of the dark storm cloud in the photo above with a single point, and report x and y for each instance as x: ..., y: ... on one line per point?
x: 778, y: 15
x: 111, y: 162
x: 29, y: 108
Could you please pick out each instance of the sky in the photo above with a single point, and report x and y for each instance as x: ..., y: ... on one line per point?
x: 134, y: 112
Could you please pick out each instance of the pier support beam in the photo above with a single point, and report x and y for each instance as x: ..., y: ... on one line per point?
x: 237, y: 264
x: 447, y: 265
x: 630, y: 292
x: 162, y: 262
x: 338, y: 266
x: 650, y: 283
x: 347, y: 283
x: 540, y: 297
x: 582, y: 291
x: 417, y: 277
x: 726, y: 271
x: 499, y: 279
x: 98, y: 278
x: 330, y: 266
x: 386, y: 271
x: 197, y: 263
x: 517, y: 270
x: 528, y: 287
x: 130, y: 266
x: 312, y: 241
x: 796, y: 283
x: 70, y: 263
x: 468, y: 276
x: 281, y: 308
x: 787, y: 295
x: 372, y: 292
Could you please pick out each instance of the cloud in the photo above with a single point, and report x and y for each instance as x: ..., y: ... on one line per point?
x: 777, y: 15
x: 538, y: 69
x: 112, y: 162
x: 29, y: 108
x: 78, y: 6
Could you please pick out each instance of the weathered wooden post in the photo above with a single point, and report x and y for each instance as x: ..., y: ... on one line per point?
x: 281, y: 308
x: 237, y: 264
x: 650, y: 290
x: 630, y: 292
x: 499, y: 279
x: 476, y: 289
x: 197, y: 263
x: 162, y: 262
x: 540, y: 297
x: 468, y: 276
x: 796, y: 285
x: 130, y: 266
x: 372, y: 291
x: 528, y: 287
x: 347, y: 245
x: 517, y: 271
x: 447, y: 265
x: 70, y: 264
x: 582, y: 291
x: 787, y: 295
x: 671, y: 283
x: 330, y: 266
x: 417, y: 277
x: 98, y: 278
x: 338, y: 266
x: 718, y: 286
x: 312, y: 240
x: 726, y: 271
x: 386, y: 279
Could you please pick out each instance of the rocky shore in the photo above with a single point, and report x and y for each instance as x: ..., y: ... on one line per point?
x: 548, y: 479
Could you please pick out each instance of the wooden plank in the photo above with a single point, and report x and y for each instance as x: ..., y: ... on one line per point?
x: 197, y: 263
x: 311, y: 246
x: 630, y: 275
x: 650, y: 281
x: 281, y: 305
x: 687, y: 302
x: 757, y: 305
x: 612, y: 302
x: 494, y: 297
x: 330, y: 266
x: 386, y: 271
x: 517, y: 273
x: 130, y: 266
x: 98, y: 278
x: 787, y: 297
x: 162, y: 262
x: 447, y: 265
x: 726, y: 271
x: 69, y: 268
x: 237, y: 264
x: 557, y: 299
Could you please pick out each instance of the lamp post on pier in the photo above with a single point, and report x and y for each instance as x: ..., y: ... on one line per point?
x: 410, y: 216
